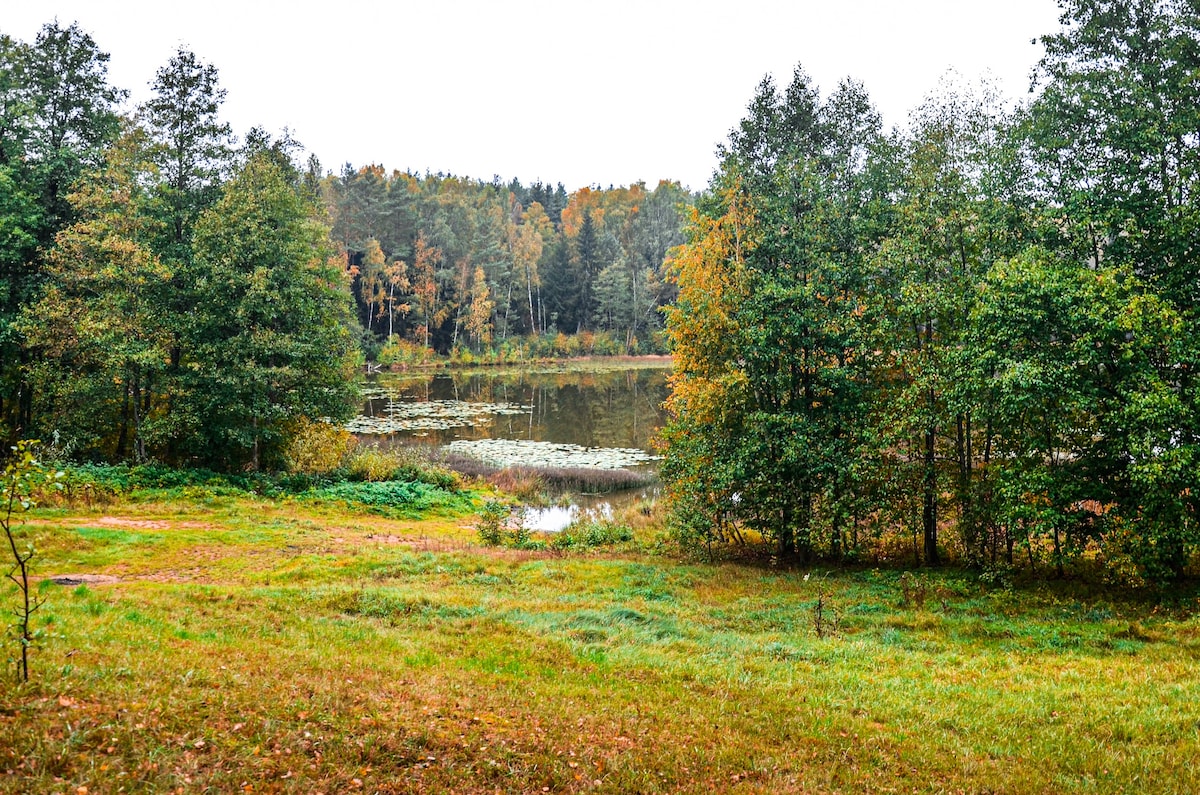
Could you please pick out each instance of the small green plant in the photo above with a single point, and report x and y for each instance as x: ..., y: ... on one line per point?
x: 22, y: 475
x: 521, y: 538
x: 826, y: 621
x: 913, y: 590
x: 490, y: 525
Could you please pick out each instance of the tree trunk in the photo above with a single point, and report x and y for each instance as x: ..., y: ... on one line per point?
x: 139, y: 444
x: 123, y: 433
x: 929, y: 511
x: 254, y: 453
x: 966, y: 508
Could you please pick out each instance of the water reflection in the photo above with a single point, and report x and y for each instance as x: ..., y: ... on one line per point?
x: 558, y: 518
x: 616, y: 408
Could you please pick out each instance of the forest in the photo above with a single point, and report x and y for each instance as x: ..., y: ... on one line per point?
x: 171, y: 292
x: 970, y: 336
x: 977, y: 333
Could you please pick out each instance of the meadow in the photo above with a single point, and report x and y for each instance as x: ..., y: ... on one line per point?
x: 217, y: 641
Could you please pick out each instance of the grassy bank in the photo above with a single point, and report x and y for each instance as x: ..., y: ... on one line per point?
x: 247, y: 644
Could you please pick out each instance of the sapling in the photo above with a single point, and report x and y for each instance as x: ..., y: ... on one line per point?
x: 21, y: 474
x: 826, y: 621
x: 491, y: 522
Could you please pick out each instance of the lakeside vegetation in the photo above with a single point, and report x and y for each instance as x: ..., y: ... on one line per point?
x: 171, y: 292
x: 967, y: 342
x: 978, y: 331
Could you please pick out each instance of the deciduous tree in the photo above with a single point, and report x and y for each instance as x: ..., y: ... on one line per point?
x: 270, y: 340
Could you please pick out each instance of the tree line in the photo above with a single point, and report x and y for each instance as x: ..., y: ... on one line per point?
x: 170, y: 292
x: 976, y: 335
x: 454, y: 263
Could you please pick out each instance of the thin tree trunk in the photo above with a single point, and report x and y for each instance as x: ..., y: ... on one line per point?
x: 391, y: 307
x: 254, y: 455
x: 123, y: 433
x: 507, y: 308
x: 929, y: 510
x: 139, y: 444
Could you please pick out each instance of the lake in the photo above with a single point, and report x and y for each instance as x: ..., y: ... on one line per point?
x: 578, y: 415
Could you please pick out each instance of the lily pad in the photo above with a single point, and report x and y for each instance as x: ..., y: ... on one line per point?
x: 510, y: 452
x: 432, y: 415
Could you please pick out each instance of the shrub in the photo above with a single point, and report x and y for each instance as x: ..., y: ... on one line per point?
x: 595, y: 533
x: 490, y: 525
x: 376, y: 465
x: 405, y: 496
x: 400, y: 351
x: 373, y: 465
x: 586, y: 343
x: 522, y: 540
x: 317, y: 448
x: 603, y: 534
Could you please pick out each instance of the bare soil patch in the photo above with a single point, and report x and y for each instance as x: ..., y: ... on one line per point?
x: 151, y: 524
x: 83, y: 579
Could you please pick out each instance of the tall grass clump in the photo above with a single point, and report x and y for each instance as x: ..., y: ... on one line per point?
x: 526, y: 482
x: 374, y: 464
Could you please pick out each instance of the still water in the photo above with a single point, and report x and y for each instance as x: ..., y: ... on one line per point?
x: 615, y: 408
x: 601, y: 417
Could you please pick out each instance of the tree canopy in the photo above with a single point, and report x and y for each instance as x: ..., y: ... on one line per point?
x: 979, y: 324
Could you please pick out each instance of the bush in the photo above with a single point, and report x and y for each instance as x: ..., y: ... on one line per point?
x: 373, y: 465
x: 400, y: 351
x: 317, y: 448
x: 395, y: 496
x: 603, y: 534
x: 590, y: 535
x: 490, y: 525
x: 376, y: 465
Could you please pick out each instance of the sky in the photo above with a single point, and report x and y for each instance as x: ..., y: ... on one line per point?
x: 583, y: 93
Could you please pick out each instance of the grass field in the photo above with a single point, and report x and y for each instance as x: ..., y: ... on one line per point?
x: 228, y: 644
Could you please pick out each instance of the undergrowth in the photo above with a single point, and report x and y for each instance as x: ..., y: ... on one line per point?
x: 406, y: 498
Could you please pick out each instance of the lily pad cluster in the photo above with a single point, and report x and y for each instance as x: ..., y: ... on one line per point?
x: 519, y: 452
x: 431, y: 415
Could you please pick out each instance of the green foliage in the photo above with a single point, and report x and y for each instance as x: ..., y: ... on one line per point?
x: 318, y: 448
x: 100, y: 312
x: 72, y: 116
x: 769, y: 344
x: 490, y: 524
x: 56, y: 118
x: 596, y: 533
x: 978, y: 325
x: 398, y: 497
x: 22, y: 477
x: 268, y: 339
x: 193, y: 146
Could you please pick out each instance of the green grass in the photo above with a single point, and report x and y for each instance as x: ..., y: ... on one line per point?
x: 305, y: 646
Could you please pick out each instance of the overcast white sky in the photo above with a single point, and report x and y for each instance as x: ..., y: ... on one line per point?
x: 582, y: 93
